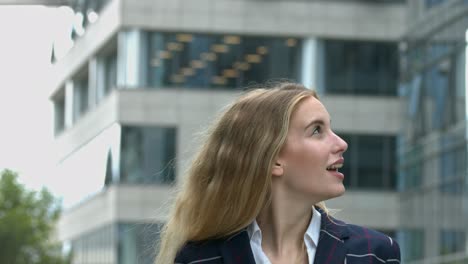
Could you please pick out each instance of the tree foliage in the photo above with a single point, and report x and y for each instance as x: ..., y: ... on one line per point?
x: 27, y: 224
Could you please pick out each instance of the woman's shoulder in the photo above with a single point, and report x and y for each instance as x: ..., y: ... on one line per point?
x: 203, y: 251
x: 212, y: 251
x: 364, y: 241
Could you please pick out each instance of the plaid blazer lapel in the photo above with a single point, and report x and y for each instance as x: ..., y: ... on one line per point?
x: 237, y: 250
x: 331, y: 245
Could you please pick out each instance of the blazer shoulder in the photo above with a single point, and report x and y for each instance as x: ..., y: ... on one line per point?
x: 371, y: 243
x: 207, y: 251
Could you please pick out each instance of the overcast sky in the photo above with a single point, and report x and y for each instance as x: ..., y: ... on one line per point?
x: 26, y: 116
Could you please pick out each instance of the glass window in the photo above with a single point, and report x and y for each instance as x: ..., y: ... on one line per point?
x: 370, y: 161
x: 137, y: 243
x: 452, y: 241
x: 452, y: 168
x: 432, y: 3
x: 109, y: 174
x: 147, y: 154
x: 440, y: 101
x: 59, y: 112
x: 436, y: 90
x: 80, y: 95
x: 110, y: 68
x: 459, y: 84
x: 95, y: 247
x: 412, y: 244
x: 361, y: 67
x: 220, y: 61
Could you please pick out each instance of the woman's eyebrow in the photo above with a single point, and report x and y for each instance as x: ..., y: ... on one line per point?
x: 315, y: 122
x: 318, y: 121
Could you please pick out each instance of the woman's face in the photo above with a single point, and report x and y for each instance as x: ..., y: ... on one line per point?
x: 312, y: 154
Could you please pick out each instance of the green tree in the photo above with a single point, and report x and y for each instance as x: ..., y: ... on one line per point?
x: 27, y: 224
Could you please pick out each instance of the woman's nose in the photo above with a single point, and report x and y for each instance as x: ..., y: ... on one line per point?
x: 340, y: 145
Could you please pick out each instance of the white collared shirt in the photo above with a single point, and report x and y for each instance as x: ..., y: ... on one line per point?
x: 311, y: 237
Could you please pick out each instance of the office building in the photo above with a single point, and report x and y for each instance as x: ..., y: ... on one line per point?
x: 144, y: 77
x: 433, y: 147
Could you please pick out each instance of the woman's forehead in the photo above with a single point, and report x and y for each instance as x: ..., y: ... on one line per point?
x: 310, y: 109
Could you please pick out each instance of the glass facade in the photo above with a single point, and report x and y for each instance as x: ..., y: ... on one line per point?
x: 432, y: 152
x: 436, y: 94
x: 147, y: 155
x: 370, y: 162
x: 118, y: 243
x: 220, y: 61
x: 360, y: 67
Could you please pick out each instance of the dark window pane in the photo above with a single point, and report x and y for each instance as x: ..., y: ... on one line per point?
x: 147, y: 155
x: 80, y: 95
x: 370, y: 172
x: 59, y: 112
x: 360, y: 67
x: 97, y: 246
x: 109, y: 175
x: 137, y: 243
x: 390, y: 162
x: 110, y: 64
x: 432, y: 3
x: 370, y: 161
x: 452, y: 241
x: 412, y: 240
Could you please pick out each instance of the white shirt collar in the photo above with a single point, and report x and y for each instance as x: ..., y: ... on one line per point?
x: 311, y: 235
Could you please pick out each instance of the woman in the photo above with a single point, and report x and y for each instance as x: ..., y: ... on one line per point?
x: 254, y: 193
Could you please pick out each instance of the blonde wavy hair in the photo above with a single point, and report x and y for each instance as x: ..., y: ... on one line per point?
x: 229, y: 180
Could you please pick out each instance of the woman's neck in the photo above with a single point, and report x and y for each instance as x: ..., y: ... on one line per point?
x: 283, y: 224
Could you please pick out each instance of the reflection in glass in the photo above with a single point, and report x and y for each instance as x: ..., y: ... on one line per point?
x: 433, y: 155
x: 220, y: 61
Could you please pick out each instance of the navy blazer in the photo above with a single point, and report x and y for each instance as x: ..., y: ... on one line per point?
x: 338, y: 243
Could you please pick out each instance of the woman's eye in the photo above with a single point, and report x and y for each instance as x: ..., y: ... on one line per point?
x: 317, y: 130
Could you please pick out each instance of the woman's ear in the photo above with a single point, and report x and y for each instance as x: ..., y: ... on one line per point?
x: 278, y: 169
